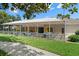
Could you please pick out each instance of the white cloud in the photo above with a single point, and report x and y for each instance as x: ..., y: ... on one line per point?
x: 59, y: 6
x: 52, y: 8
x: 15, y: 11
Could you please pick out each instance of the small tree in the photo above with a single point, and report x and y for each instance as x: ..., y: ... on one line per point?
x: 4, y: 17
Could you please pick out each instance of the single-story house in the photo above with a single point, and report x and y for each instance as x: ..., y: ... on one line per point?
x: 47, y: 27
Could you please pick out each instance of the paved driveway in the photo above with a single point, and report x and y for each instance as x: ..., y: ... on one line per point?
x: 18, y: 49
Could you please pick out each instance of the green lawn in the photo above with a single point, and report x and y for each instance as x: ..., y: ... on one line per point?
x: 58, y: 47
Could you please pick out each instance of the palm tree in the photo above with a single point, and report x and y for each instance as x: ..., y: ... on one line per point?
x: 73, y: 10
x: 64, y: 7
x: 71, y: 7
x: 63, y: 16
x: 67, y: 16
x: 59, y: 16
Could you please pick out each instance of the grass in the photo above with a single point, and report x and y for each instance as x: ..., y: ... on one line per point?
x: 55, y: 46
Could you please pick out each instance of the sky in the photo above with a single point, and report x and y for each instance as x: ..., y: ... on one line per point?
x: 55, y: 8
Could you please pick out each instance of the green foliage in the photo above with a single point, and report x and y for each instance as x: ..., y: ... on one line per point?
x: 30, y: 9
x: 63, y: 16
x: 2, y: 53
x: 4, y: 17
x: 67, y: 16
x: 74, y: 38
x: 74, y: 10
x: 5, y: 5
x: 70, y: 7
x: 59, y: 16
x: 15, y: 18
x: 65, y: 5
x: 77, y: 32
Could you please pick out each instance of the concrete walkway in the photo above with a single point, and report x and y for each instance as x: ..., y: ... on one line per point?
x: 18, y: 49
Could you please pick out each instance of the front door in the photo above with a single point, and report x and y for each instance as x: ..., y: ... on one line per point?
x: 40, y: 30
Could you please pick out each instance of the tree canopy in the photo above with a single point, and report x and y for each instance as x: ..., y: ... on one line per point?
x: 4, y: 17
x: 70, y: 7
x: 30, y: 9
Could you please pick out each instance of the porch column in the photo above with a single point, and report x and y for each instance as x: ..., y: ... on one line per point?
x: 3, y: 28
x: 28, y: 30
x: 13, y: 29
x: 16, y: 28
x: 25, y: 29
x: 49, y: 29
x: 37, y: 29
x: 20, y: 29
x: 8, y: 29
x: 64, y: 30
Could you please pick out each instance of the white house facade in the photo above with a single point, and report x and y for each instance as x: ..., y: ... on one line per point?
x: 47, y: 28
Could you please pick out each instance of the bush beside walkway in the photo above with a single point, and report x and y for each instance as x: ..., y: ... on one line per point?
x: 2, y: 53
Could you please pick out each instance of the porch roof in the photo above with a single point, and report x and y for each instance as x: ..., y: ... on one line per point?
x: 43, y: 21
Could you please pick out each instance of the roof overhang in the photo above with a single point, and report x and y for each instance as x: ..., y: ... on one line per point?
x: 43, y: 21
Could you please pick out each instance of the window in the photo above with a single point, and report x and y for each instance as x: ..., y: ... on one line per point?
x: 51, y: 29
x: 41, y: 30
x: 62, y: 30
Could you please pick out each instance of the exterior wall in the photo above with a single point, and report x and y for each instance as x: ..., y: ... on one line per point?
x: 32, y: 29
x: 55, y: 28
x: 58, y: 32
x: 58, y: 29
x: 17, y: 28
x: 46, y: 29
x: 25, y: 28
x: 70, y: 29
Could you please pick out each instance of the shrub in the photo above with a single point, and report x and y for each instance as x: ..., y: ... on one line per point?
x: 77, y: 32
x: 3, y: 53
x: 74, y: 38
